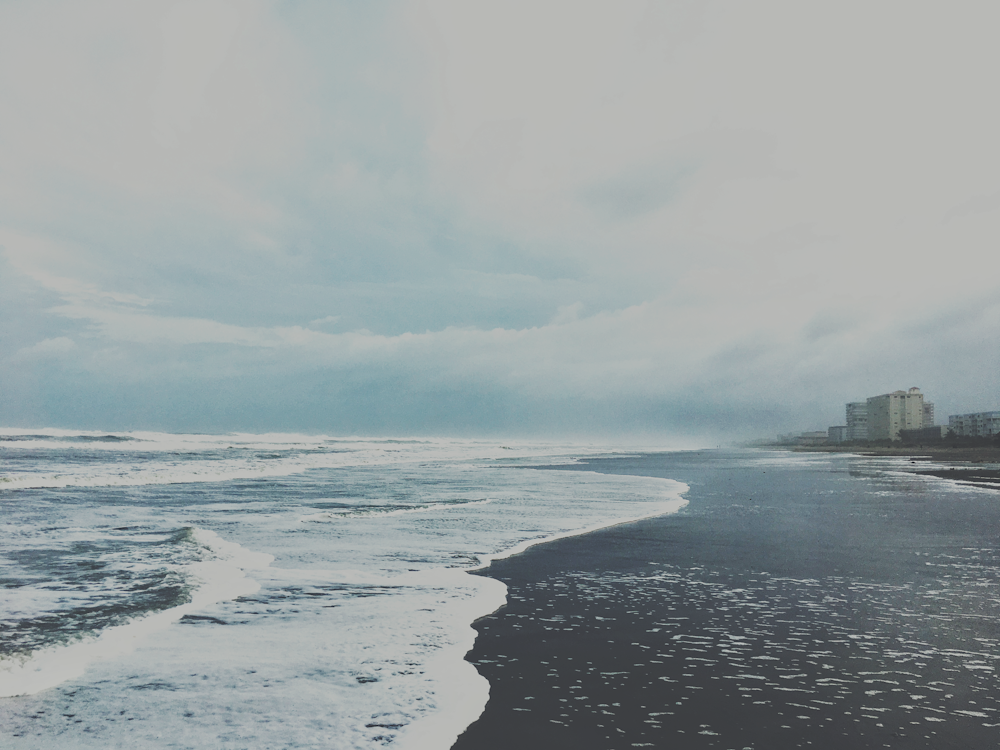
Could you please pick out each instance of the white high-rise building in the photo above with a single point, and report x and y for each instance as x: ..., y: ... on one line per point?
x: 892, y: 412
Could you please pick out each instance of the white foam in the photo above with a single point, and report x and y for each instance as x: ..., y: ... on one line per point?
x: 161, y: 459
x: 459, y: 686
x: 663, y: 508
x: 218, y: 579
x: 370, y: 511
x: 379, y: 601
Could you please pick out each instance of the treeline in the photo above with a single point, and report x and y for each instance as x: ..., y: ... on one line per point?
x: 958, y: 441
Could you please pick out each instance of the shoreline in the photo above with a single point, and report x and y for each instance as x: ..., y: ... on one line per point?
x: 665, y: 508
x: 952, y: 454
x: 466, y: 709
x: 969, y: 459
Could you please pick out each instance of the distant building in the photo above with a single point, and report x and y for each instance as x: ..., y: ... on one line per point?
x: 979, y: 424
x: 803, y: 438
x: 892, y: 412
x: 836, y: 434
x: 857, y: 420
x: 812, y: 438
x: 928, y: 414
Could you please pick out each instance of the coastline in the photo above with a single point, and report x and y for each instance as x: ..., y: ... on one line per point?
x: 761, y: 615
x: 970, y: 459
x: 930, y: 452
x: 467, y: 698
x: 674, y: 491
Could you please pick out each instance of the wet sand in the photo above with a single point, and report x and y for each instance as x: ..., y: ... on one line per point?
x: 785, y: 607
x: 985, y: 477
x: 972, y: 454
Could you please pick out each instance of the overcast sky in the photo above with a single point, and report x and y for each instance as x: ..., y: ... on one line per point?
x: 691, y: 220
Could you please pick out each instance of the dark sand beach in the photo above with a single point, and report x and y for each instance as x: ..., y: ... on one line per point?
x: 966, y: 461
x: 985, y: 477
x: 960, y: 454
x: 796, y: 602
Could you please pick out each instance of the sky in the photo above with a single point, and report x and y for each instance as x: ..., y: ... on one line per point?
x: 691, y: 221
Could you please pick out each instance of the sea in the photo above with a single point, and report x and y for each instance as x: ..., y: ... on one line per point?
x: 269, y: 591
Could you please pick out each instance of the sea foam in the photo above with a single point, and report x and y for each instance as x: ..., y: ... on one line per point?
x: 221, y: 576
x: 332, y: 602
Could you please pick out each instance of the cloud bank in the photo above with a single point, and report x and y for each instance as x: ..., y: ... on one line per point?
x: 698, y: 220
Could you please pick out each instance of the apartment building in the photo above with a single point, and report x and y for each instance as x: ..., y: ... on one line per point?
x: 978, y: 424
x: 836, y: 434
x: 892, y: 412
x: 857, y: 421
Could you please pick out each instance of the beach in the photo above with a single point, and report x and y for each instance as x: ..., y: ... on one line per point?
x: 960, y: 454
x: 964, y: 463
x: 799, y: 600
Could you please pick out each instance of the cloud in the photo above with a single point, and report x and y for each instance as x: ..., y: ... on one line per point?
x: 196, y: 40
x: 637, y: 191
x: 575, y: 215
x: 46, y: 348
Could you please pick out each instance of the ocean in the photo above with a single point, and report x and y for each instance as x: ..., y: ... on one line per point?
x: 268, y: 591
